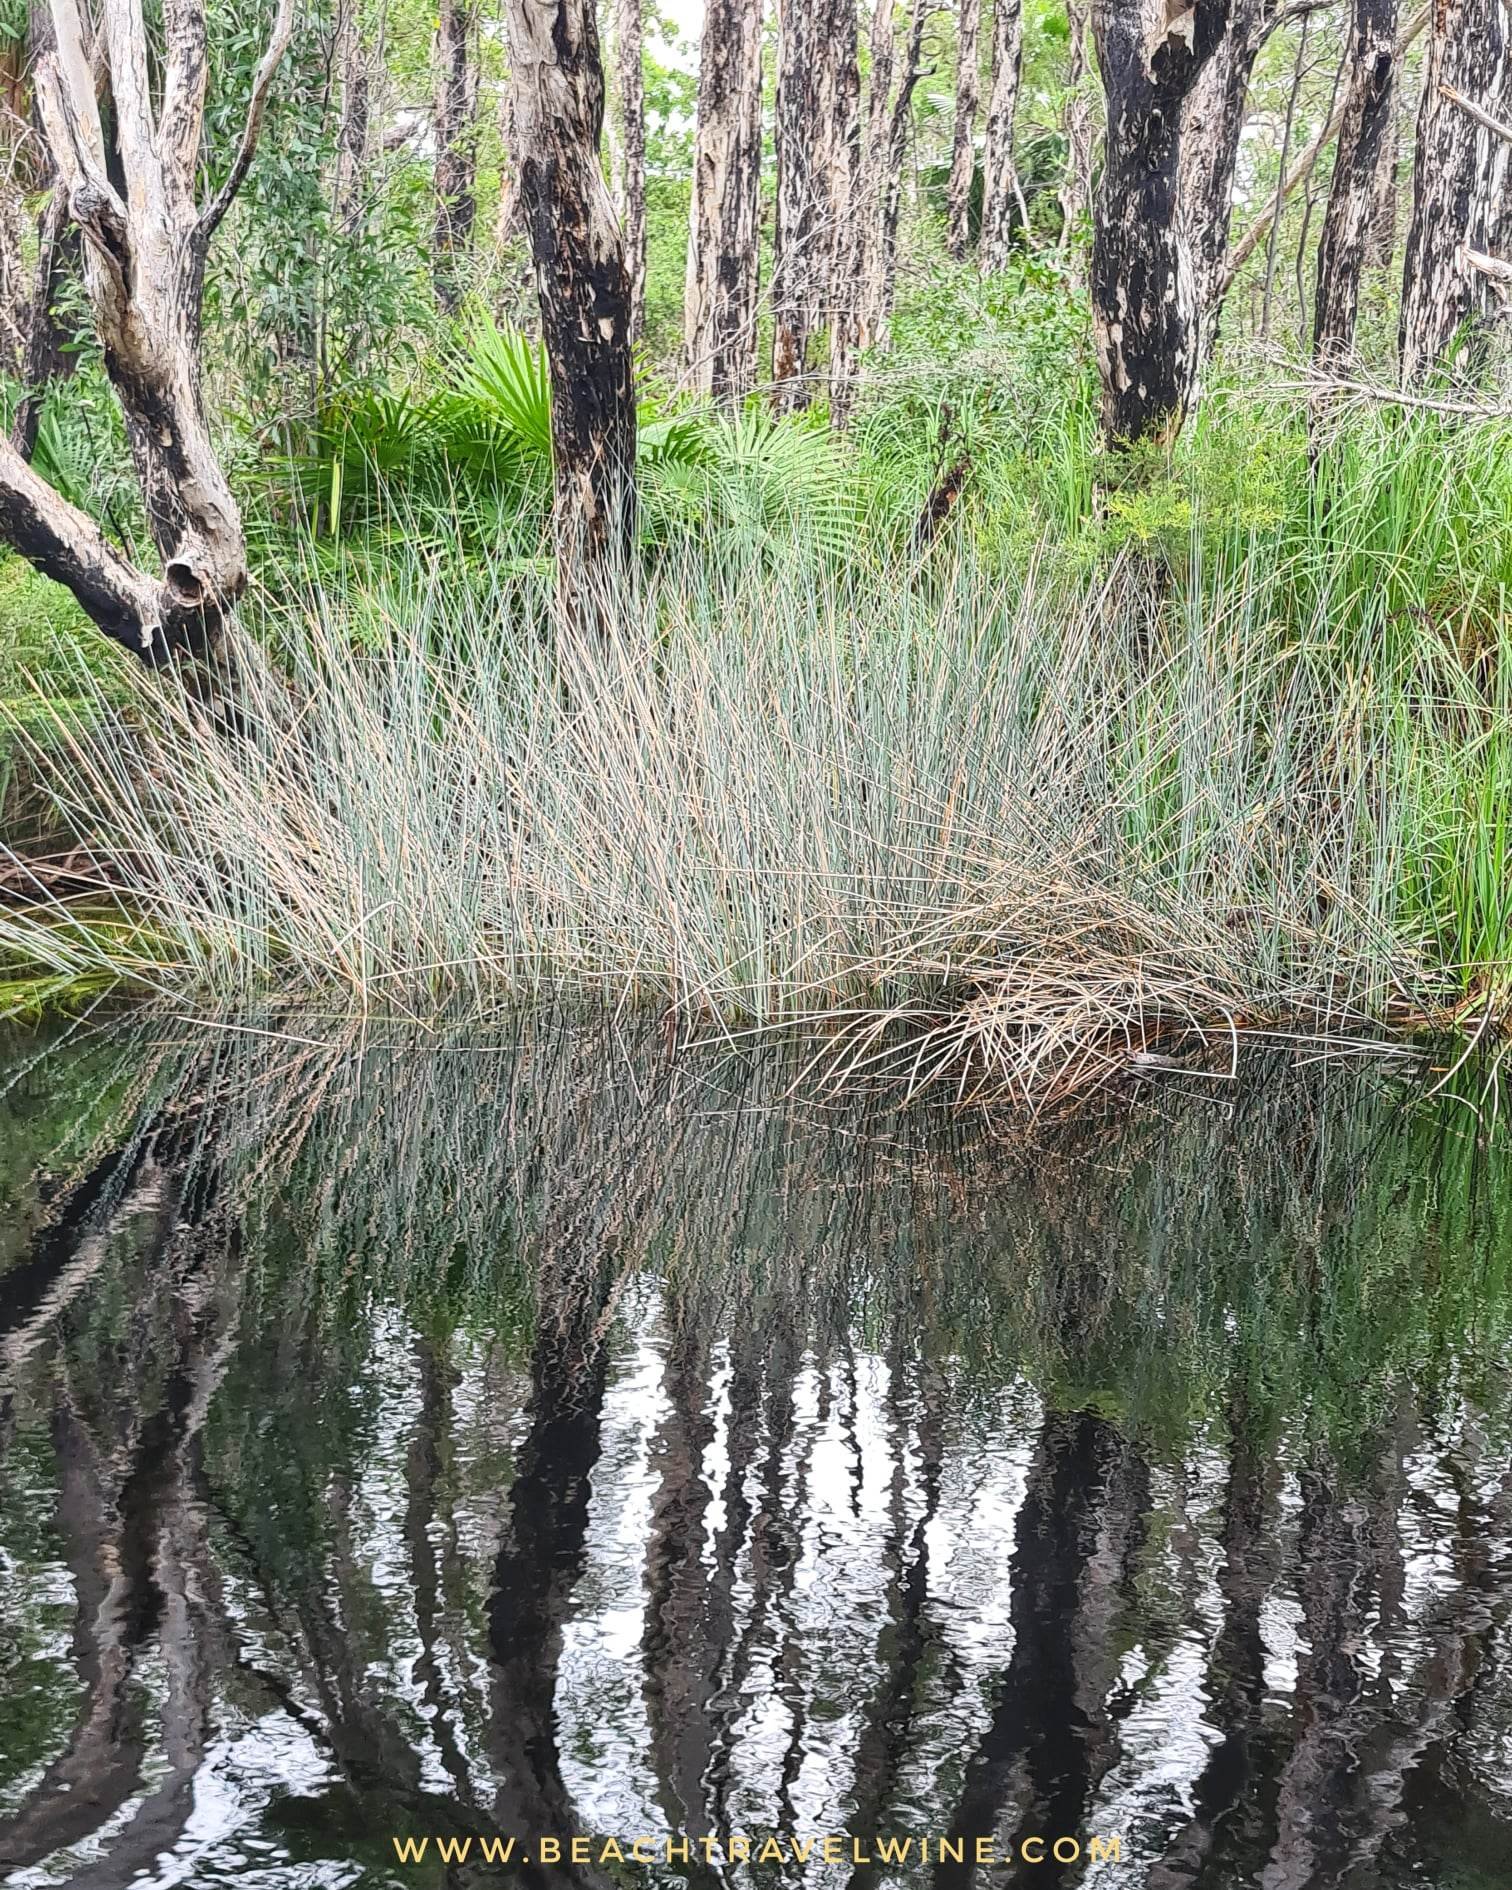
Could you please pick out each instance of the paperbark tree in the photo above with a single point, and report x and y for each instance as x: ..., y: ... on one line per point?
x: 581, y: 280
x: 1458, y: 175
x: 455, y: 116
x: 1210, y: 131
x: 1354, y: 194
x: 1076, y: 186
x: 794, y: 259
x: 872, y: 259
x: 724, y: 230
x: 145, y: 241
x: 1145, y: 311
x: 355, y: 124
x: 1000, y: 188
x: 963, y: 142
x: 631, y: 180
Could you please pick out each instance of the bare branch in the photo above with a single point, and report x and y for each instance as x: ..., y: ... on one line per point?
x: 1284, y: 16
x: 75, y: 65
x: 1478, y: 112
x: 278, y: 45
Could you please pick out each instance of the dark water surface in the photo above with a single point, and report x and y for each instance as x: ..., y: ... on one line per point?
x: 534, y: 1440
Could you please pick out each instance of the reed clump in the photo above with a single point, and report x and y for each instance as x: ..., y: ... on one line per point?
x: 1016, y: 833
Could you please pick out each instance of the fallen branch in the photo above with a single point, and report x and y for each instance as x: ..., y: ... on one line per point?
x: 1477, y: 112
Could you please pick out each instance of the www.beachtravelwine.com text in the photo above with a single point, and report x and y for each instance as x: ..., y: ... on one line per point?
x: 773, y: 1848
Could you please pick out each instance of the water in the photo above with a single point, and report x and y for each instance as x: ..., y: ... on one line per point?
x: 534, y: 1440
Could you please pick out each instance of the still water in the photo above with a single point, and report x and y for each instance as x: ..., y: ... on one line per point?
x: 537, y: 1439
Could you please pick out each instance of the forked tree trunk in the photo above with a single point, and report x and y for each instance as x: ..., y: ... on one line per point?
x: 1145, y: 313
x: 795, y: 252
x: 724, y: 230
x: 631, y: 182
x: 144, y: 249
x: 963, y: 140
x: 456, y: 150
x: 1000, y: 189
x: 1210, y: 132
x: 1458, y: 176
x: 1354, y: 206
x: 1076, y: 186
x: 584, y: 288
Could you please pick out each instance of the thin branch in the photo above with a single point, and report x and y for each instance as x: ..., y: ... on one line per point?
x: 278, y: 45
x: 1477, y: 112
x: 181, y: 121
x: 1284, y: 16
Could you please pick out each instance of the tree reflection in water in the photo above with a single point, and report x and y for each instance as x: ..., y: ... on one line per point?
x: 539, y: 1438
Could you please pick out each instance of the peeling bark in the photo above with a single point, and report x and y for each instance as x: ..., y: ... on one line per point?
x: 1210, y: 132
x: 724, y: 230
x: 1076, y: 186
x: 581, y: 281
x: 963, y: 141
x: 1458, y: 177
x: 1145, y: 311
x: 631, y: 179
x: 794, y: 258
x: 1000, y: 187
x: 144, y: 250
x: 1354, y: 194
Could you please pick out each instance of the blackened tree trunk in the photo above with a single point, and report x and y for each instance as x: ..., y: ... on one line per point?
x: 1353, y: 195
x: 631, y: 183
x: 145, y: 239
x: 1145, y: 312
x: 1210, y: 131
x: 456, y: 152
x: 1000, y: 190
x: 581, y: 280
x: 963, y: 141
x: 724, y: 230
x: 838, y: 163
x: 1458, y: 176
x: 794, y: 260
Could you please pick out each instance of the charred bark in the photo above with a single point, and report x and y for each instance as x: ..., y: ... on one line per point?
x: 1145, y: 310
x: 581, y: 281
x: 1458, y: 176
x: 1354, y: 194
x: 1000, y: 187
x: 1211, y: 126
x: 456, y: 110
x: 145, y: 240
x: 794, y: 258
x: 963, y: 141
x: 724, y: 232
x: 629, y: 48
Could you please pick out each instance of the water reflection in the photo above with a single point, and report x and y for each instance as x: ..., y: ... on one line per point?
x: 542, y: 1439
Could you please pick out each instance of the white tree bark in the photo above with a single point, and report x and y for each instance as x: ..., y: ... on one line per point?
x: 724, y: 235
x: 1000, y: 190
x: 144, y: 250
x: 963, y: 141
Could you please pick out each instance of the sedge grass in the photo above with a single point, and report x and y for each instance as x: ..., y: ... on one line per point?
x: 1009, y: 833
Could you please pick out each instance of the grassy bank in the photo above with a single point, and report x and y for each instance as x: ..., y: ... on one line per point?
x: 1009, y: 822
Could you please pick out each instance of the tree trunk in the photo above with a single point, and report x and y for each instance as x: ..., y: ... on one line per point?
x: 1210, y: 131
x: 629, y: 43
x: 1076, y: 186
x: 144, y: 249
x: 1145, y: 313
x: 456, y: 153
x: 794, y: 261
x: 838, y: 165
x: 724, y: 234
x: 356, y: 117
x: 584, y: 289
x: 1458, y: 176
x: 963, y: 142
x: 871, y: 262
x: 1000, y: 190
x: 1354, y: 194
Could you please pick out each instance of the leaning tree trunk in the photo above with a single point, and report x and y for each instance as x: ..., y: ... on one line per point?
x: 724, y: 232
x: 145, y: 240
x: 582, y: 282
x: 1458, y: 176
x: 1000, y: 189
x: 1211, y: 126
x: 1354, y: 194
x: 963, y: 140
x: 1145, y: 313
x: 631, y: 181
x: 456, y: 110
